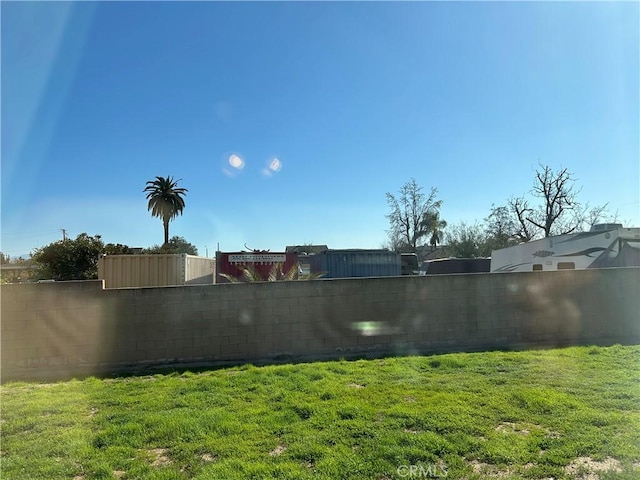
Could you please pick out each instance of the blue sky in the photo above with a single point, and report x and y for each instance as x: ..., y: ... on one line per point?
x: 353, y: 99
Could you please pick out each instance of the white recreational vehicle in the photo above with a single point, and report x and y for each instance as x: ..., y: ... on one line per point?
x: 605, y: 245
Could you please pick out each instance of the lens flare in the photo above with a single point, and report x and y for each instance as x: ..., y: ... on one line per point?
x: 275, y: 165
x: 236, y: 162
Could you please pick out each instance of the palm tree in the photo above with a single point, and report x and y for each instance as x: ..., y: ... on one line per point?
x: 165, y: 201
x: 431, y: 223
x: 276, y: 274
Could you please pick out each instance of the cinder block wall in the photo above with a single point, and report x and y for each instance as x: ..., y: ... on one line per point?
x: 66, y: 329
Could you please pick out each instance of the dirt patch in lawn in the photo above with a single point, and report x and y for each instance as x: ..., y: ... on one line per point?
x: 160, y: 457
x: 586, y: 468
x: 207, y: 457
x: 582, y: 468
x: 510, y: 427
x: 485, y: 469
x: 277, y: 451
x: 524, y: 429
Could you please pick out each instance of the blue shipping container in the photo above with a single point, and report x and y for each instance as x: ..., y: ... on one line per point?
x: 355, y: 263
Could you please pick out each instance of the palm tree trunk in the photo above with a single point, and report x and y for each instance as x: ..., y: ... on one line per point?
x: 165, y: 221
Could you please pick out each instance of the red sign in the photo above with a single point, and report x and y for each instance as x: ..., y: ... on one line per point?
x: 233, y: 264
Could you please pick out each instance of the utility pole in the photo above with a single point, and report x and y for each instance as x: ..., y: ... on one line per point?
x: 64, y: 234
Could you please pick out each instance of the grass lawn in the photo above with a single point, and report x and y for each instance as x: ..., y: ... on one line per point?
x: 566, y: 413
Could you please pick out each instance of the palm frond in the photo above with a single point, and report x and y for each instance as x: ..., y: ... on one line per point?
x: 231, y: 278
x: 293, y: 273
x: 250, y: 274
x: 275, y: 274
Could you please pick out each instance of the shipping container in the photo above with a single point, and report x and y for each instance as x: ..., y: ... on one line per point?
x: 444, y: 266
x: 119, y: 271
x: 356, y: 263
x: 262, y: 263
x: 409, y: 264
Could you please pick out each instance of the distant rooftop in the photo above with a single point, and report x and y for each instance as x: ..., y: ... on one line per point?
x: 603, y: 227
x: 308, y: 249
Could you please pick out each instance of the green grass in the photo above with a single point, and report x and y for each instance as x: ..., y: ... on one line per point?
x: 482, y: 415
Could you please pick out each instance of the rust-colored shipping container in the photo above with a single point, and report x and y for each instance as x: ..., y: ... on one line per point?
x: 119, y: 271
x: 233, y: 263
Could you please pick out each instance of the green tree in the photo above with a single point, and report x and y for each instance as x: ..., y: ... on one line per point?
x: 165, y: 200
x: 501, y: 229
x: 175, y: 245
x: 70, y: 259
x: 433, y: 225
x: 467, y: 241
x: 410, y: 212
x: 117, y: 249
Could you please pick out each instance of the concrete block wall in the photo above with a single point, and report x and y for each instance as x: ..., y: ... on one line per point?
x: 66, y: 329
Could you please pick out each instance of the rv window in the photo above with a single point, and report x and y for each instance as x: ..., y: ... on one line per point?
x: 566, y: 266
x: 537, y: 267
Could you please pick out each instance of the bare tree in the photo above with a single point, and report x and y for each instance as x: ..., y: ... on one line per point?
x: 599, y: 214
x: 559, y: 211
x: 520, y: 208
x: 409, y: 210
